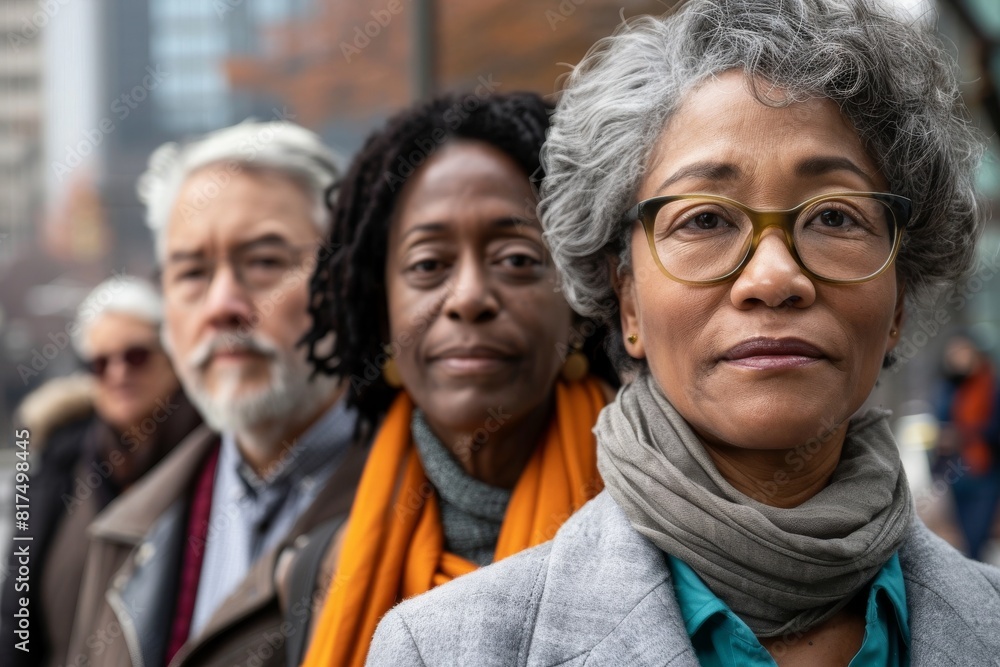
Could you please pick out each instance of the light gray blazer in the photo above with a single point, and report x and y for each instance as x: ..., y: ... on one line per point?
x: 601, y: 594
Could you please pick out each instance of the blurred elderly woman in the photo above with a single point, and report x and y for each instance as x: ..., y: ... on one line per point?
x: 752, y: 190
x: 94, y: 437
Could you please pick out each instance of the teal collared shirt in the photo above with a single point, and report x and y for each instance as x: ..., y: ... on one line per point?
x: 722, y: 639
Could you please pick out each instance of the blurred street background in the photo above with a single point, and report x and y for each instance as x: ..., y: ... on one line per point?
x: 89, y: 87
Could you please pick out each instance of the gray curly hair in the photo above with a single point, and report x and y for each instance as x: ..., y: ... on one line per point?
x: 891, y: 78
x: 278, y: 145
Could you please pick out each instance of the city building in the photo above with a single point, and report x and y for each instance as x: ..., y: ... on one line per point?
x: 21, y: 92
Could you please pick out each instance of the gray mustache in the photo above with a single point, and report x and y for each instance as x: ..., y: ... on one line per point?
x: 230, y: 343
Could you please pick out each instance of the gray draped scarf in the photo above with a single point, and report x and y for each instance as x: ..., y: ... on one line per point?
x: 780, y: 570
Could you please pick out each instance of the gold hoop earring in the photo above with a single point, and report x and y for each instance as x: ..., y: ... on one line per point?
x: 633, y: 338
x: 390, y: 371
x: 576, y: 366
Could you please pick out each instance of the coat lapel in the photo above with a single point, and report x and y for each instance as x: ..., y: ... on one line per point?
x: 258, y: 589
x: 143, y: 599
x: 607, y: 582
x: 152, y: 525
x: 131, y: 516
x: 611, y: 583
x: 954, y: 613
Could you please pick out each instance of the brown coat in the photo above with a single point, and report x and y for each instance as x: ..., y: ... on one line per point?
x: 126, y: 605
x: 77, y: 470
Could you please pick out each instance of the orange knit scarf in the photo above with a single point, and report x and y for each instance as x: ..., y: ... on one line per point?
x: 394, y: 547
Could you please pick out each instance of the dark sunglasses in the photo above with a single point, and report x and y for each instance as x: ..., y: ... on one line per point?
x: 134, y: 357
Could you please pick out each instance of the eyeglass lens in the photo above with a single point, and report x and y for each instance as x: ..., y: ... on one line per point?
x: 134, y: 357
x: 842, y: 238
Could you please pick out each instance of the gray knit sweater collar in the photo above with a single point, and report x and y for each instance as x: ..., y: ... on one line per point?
x: 471, y: 511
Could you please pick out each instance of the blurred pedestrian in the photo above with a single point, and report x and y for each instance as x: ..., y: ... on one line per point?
x: 186, y: 561
x: 968, y: 452
x: 93, y: 437
x: 492, y: 384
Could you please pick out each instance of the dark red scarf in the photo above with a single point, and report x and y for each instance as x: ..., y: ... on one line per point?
x: 199, y: 514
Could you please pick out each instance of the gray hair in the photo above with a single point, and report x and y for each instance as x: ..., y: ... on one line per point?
x: 278, y: 145
x: 891, y: 78
x: 122, y: 294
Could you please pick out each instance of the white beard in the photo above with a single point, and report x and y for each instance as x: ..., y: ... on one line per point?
x: 289, y: 397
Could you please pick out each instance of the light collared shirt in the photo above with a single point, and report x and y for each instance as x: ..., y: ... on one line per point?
x: 722, y: 639
x: 250, y: 514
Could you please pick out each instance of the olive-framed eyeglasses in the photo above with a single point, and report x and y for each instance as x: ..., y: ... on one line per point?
x: 841, y: 237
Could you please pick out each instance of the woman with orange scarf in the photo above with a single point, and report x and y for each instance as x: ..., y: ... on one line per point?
x: 450, y: 323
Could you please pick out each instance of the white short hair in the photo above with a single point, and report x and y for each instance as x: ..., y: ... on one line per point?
x: 122, y: 294
x: 277, y: 145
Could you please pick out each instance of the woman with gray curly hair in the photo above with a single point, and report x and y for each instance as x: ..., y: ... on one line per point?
x: 752, y: 190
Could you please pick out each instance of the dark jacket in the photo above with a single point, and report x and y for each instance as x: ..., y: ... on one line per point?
x: 54, y: 479
x: 601, y: 594
x: 125, y: 610
x: 69, y: 485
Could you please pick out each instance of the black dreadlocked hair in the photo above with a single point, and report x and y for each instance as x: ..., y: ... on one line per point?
x: 348, y: 297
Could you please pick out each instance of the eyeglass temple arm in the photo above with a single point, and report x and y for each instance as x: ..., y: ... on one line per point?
x: 905, y: 208
x: 631, y: 215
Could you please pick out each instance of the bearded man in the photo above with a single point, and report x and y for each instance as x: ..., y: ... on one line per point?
x: 181, y: 569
